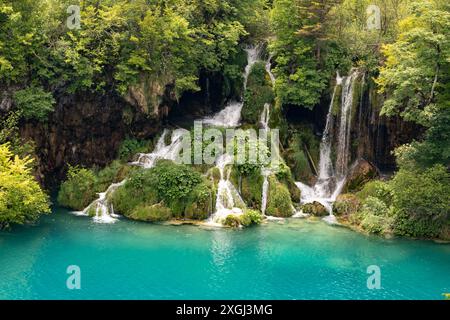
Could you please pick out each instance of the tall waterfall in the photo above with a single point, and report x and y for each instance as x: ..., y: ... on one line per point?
x: 228, y: 200
x: 331, y: 179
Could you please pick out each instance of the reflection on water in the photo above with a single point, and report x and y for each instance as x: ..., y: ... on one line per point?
x: 299, y: 259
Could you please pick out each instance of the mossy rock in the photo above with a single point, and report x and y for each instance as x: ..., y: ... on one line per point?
x: 315, y: 209
x: 151, y: 213
x: 201, y: 202
x: 285, y: 177
x: 259, y: 92
x: 232, y: 221
x: 346, y: 204
x: 214, y: 175
x: 252, y: 190
x: 279, y: 203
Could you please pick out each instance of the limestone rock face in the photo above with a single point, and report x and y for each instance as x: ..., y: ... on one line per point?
x: 315, y: 209
x: 85, y: 129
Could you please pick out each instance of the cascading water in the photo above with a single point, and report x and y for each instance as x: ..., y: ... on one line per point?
x: 163, y: 151
x: 104, y: 210
x: 269, y: 70
x: 228, y: 200
x: 332, y: 179
x: 230, y: 116
x: 265, y: 117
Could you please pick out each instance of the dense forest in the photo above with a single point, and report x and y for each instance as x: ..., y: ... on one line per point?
x: 78, y: 103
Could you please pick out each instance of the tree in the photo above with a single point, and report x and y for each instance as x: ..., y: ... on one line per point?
x: 21, y: 198
x: 417, y: 64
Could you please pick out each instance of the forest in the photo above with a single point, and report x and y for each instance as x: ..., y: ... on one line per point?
x: 78, y: 103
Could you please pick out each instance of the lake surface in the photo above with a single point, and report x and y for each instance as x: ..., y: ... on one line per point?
x: 297, y: 259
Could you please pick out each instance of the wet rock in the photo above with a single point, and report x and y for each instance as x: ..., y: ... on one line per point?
x: 359, y: 175
x: 315, y: 209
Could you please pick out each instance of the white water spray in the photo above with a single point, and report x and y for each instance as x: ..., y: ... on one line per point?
x: 330, y: 181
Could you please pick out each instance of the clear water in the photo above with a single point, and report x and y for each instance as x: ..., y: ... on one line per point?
x: 294, y: 260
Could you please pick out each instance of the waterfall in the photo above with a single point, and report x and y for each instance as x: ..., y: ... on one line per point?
x: 269, y: 70
x: 265, y: 116
x: 169, y: 152
x: 331, y: 179
x: 343, y: 147
x: 104, y: 210
x: 230, y: 116
x: 228, y: 200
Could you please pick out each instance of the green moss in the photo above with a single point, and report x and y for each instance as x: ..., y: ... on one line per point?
x: 315, y: 209
x: 284, y: 176
x: 200, y: 203
x: 259, y: 92
x: 232, y: 221
x: 151, y: 213
x: 180, y: 188
x: 279, y: 202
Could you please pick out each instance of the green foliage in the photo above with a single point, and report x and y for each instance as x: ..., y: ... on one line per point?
x: 130, y: 147
x: 302, y: 143
x: 420, y: 201
x: 259, y: 92
x: 21, y: 198
x: 374, y: 216
x: 232, y: 221
x: 9, y: 133
x: 151, y: 213
x: 299, y: 80
x: 177, y: 187
x: 377, y: 189
x: 346, y: 205
x: 34, y: 103
x: 251, y: 217
x: 250, y: 186
x: 315, y: 209
x: 417, y: 63
x: 79, y: 190
x: 279, y: 202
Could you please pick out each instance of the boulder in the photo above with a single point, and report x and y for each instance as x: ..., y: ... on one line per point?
x: 316, y: 209
x: 361, y: 173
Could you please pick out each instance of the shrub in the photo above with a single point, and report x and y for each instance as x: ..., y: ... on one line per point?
x: 374, y: 216
x: 232, y: 221
x: 34, y: 103
x: 79, y: 190
x: 130, y: 147
x: 21, y: 198
x: 251, y: 217
x: 178, y: 187
x: 378, y: 189
x: 346, y: 204
x: 421, y: 201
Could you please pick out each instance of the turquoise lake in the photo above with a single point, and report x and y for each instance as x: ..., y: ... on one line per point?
x: 296, y: 259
